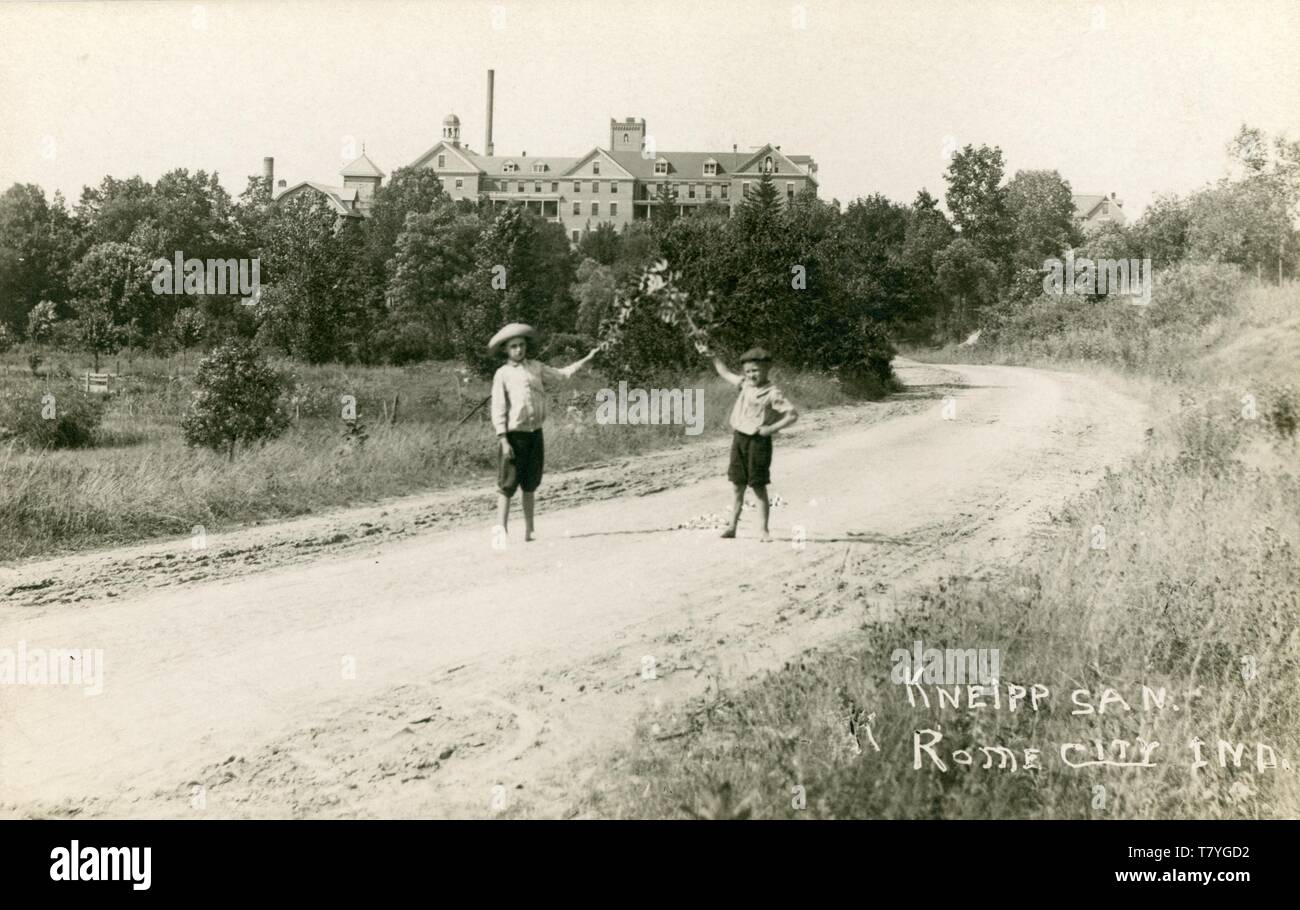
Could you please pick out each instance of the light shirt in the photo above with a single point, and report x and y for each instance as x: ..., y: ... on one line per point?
x: 757, y: 406
x: 519, y: 394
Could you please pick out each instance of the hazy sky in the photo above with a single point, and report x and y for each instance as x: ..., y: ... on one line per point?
x: 1131, y: 97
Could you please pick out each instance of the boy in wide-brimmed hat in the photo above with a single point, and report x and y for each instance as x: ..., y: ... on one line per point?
x: 518, y: 411
x: 761, y: 410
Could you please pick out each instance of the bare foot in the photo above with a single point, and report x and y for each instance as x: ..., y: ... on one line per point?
x: 766, y: 538
x: 528, y: 536
x: 729, y: 534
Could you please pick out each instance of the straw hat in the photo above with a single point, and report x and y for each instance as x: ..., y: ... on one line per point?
x: 514, y: 330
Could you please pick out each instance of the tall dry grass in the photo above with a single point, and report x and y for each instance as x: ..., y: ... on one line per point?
x: 141, y: 481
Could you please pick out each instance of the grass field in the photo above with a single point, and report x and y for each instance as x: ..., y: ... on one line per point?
x: 1195, y: 592
x: 140, y: 480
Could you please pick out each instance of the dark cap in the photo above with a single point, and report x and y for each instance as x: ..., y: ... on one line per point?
x: 758, y: 355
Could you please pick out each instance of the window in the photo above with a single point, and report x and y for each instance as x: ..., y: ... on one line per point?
x: 708, y: 191
x: 613, y: 208
x: 744, y: 188
x: 661, y: 167
x: 690, y: 193
x: 442, y: 161
x: 521, y: 186
x: 460, y: 183
x: 595, y: 208
x: 789, y: 191
x: 510, y: 167
x: 595, y: 168
x: 575, y: 233
x: 625, y: 138
x: 577, y: 208
x: 577, y: 186
x: 595, y: 186
x: 710, y: 169
x: 539, y: 167
x: 555, y: 187
x: 613, y: 186
x: 726, y: 190
x: 537, y: 186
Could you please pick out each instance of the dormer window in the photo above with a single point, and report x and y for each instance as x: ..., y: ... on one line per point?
x: 510, y: 167
x: 539, y: 167
x: 661, y: 166
x: 595, y: 168
x: 710, y: 168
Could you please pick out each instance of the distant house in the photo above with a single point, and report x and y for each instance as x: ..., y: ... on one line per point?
x: 361, y: 178
x: 1091, y: 209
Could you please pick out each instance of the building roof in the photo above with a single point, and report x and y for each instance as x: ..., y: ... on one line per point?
x: 495, y: 166
x: 361, y: 167
x: 681, y: 165
x: 342, y: 199
x: 1086, y: 204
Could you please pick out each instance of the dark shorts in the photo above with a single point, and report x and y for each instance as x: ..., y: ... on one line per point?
x: 524, y: 471
x: 751, y: 460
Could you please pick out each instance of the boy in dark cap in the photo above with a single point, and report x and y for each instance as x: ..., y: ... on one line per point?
x: 761, y: 410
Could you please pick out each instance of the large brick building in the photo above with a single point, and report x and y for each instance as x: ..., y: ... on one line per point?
x: 614, y: 185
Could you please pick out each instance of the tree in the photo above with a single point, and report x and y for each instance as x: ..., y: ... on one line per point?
x: 870, y: 241
x: 969, y: 283
x: 410, y: 190
x: 95, y: 329
x: 1161, y: 233
x: 434, y: 256
x: 977, y: 201
x: 237, y: 400
x: 113, y: 210
x: 40, y: 322
x: 111, y: 284
x: 664, y: 211
x: 38, y: 244
x: 927, y: 232
x: 319, y: 307
x: 594, y: 292
x: 522, y: 273
x: 604, y: 244
x: 1040, y: 210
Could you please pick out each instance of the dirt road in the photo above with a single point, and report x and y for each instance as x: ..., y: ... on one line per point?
x: 391, y: 662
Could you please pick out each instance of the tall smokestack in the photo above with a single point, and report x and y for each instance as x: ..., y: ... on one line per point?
x: 487, y: 144
x: 268, y: 173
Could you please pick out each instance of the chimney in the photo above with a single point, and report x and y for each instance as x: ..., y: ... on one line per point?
x: 268, y: 172
x: 487, y: 143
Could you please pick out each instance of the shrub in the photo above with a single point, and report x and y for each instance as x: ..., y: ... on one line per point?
x: 237, y: 400
x: 859, y: 358
x: 44, y: 420
x: 1190, y: 294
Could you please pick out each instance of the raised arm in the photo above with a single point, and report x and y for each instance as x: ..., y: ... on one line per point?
x: 726, y: 374
x: 567, y: 372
